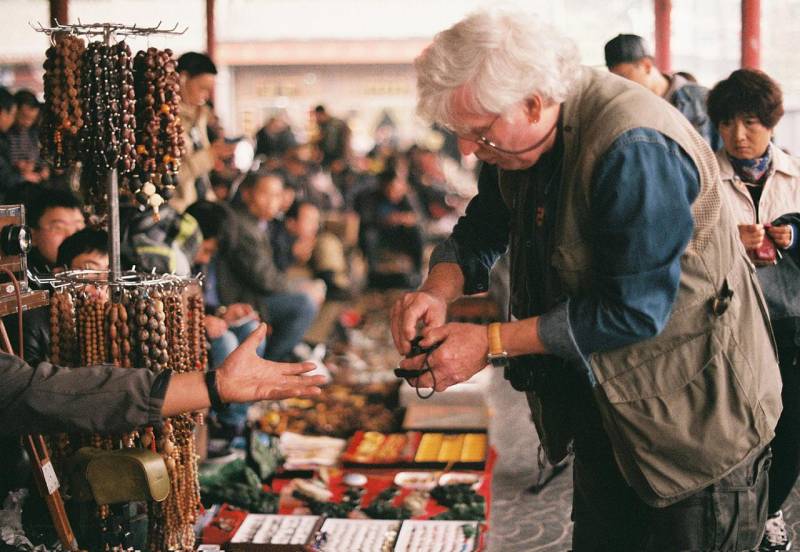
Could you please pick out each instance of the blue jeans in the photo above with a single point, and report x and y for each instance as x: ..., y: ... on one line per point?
x: 235, y: 415
x: 290, y: 315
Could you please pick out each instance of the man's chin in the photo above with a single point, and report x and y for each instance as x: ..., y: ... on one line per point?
x: 512, y: 164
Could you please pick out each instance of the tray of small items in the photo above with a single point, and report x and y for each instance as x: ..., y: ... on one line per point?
x: 271, y: 533
x: 434, y: 450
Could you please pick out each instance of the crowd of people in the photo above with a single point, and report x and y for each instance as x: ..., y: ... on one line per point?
x: 261, y: 238
x: 659, y: 357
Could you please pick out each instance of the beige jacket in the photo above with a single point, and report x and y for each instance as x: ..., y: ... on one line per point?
x: 199, y: 159
x: 781, y: 193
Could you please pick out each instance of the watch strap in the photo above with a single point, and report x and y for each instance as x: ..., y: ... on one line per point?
x: 495, y: 343
x: 213, y: 391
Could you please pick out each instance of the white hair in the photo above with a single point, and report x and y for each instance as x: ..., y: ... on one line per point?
x: 503, y: 56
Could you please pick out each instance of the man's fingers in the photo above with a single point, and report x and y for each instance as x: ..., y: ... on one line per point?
x: 433, y: 335
x: 414, y: 363
x: 412, y: 315
x: 435, y: 318
x: 289, y: 369
x: 303, y: 381
x: 290, y: 392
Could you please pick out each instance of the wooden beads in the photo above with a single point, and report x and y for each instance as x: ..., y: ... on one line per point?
x: 196, y: 332
x: 177, y: 446
x: 159, y: 327
x: 92, y: 329
x: 62, y: 116
x: 151, y: 333
x: 119, y: 335
x: 63, y: 340
x: 159, y: 134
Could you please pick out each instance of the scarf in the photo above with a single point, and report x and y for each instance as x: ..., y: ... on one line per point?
x: 752, y: 170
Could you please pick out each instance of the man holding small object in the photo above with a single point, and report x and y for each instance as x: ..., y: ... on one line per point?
x: 639, y: 335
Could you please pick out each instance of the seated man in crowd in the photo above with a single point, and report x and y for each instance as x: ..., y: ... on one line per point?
x: 24, y: 139
x: 297, y: 242
x: 53, y: 216
x: 86, y: 249
x: 389, y: 220
x: 247, y: 272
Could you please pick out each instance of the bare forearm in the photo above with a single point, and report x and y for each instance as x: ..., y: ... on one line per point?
x: 445, y: 281
x: 522, y: 337
x: 186, y: 392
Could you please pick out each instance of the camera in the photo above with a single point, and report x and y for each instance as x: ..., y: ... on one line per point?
x: 15, y: 242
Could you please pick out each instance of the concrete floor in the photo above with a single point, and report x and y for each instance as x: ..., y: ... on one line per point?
x: 521, y: 521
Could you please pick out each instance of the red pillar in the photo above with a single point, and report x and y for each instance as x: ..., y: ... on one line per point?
x: 211, y: 35
x: 663, y: 31
x: 58, y: 11
x: 751, y: 34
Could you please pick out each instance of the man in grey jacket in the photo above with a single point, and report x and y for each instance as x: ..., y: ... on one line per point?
x: 246, y: 269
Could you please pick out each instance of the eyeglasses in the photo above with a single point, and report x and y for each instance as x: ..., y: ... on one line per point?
x: 59, y: 227
x: 484, y: 142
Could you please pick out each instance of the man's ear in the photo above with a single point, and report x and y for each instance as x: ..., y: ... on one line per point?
x: 647, y: 65
x: 533, y: 108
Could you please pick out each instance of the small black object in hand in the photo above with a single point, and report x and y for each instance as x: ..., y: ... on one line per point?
x: 416, y: 350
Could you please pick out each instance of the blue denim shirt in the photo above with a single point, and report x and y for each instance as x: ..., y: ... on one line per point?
x: 690, y: 100
x: 642, y: 191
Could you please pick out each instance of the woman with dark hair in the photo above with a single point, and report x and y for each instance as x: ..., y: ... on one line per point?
x: 762, y: 183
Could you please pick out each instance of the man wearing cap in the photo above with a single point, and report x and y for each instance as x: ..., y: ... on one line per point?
x: 628, y: 56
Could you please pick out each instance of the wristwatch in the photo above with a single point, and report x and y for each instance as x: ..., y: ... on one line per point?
x: 498, y: 357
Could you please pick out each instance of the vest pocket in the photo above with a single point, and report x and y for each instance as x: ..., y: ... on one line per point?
x: 688, y: 426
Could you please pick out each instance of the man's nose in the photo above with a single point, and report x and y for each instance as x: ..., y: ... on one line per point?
x: 467, y: 147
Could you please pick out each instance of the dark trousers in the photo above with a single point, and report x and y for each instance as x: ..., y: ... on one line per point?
x: 290, y: 315
x: 609, y: 517
x: 786, y: 444
x: 405, y: 239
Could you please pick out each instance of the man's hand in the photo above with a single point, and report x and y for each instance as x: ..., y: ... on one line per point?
x: 237, y: 311
x: 461, y: 355
x: 751, y: 235
x: 245, y: 377
x: 215, y: 326
x: 411, y: 308
x: 781, y: 235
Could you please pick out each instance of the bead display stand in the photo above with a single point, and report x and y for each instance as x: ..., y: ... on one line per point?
x: 108, y: 32
x: 128, y: 318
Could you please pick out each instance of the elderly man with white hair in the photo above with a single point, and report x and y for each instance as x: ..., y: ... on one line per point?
x: 639, y: 333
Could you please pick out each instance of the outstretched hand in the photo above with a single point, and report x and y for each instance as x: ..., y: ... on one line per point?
x: 245, y: 377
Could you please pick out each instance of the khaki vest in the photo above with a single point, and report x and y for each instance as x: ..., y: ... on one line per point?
x: 684, y: 408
